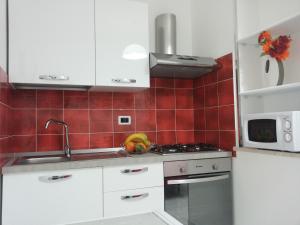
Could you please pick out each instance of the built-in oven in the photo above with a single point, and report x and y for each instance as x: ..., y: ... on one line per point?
x: 199, y: 192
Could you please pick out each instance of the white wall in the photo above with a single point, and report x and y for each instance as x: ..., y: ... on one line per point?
x: 182, y: 10
x: 256, y: 15
x: 213, y: 27
x: 3, y: 34
x: 266, y: 189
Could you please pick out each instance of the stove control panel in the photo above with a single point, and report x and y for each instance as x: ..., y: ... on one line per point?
x: 199, y: 166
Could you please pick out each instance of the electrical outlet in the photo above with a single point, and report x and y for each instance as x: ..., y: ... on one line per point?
x: 124, y: 120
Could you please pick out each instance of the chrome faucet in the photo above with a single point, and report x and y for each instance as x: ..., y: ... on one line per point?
x: 67, y: 148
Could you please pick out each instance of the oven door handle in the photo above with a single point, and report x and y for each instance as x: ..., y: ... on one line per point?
x: 198, y: 180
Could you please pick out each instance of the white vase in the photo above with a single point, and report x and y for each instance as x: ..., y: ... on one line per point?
x: 272, y: 70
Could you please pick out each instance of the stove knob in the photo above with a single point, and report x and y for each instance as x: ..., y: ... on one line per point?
x: 182, y: 170
x: 215, y: 167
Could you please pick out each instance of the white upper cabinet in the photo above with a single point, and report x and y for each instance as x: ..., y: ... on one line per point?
x: 52, y: 42
x: 122, y: 44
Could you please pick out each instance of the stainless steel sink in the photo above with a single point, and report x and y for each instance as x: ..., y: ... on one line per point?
x: 40, y: 159
x: 28, y: 160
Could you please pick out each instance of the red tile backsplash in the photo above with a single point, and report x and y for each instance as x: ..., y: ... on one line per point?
x: 171, y: 111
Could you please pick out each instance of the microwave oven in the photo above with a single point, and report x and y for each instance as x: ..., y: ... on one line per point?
x: 276, y: 130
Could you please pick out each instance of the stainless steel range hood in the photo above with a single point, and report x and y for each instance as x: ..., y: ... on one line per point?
x: 165, y: 63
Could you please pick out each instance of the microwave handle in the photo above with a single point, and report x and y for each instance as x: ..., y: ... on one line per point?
x: 198, y: 180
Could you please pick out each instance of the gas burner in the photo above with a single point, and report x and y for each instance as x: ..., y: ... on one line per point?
x: 183, y: 148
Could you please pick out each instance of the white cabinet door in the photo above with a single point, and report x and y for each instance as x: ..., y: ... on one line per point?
x: 128, y: 202
x: 52, y: 42
x: 122, y: 44
x: 52, y: 198
x: 133, y: 176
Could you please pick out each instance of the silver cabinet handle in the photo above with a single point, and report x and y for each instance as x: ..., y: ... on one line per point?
x: 53, y: 77
x: 51, y: 179
x: 124, y: 81
x: 133, y: 171
x: 130, y: 197
x: 198, y: 180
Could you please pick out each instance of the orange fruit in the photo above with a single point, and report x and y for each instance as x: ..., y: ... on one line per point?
x: 130, y: 146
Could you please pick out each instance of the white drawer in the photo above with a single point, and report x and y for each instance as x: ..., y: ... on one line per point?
x: 133, y: 177
x: 130, y: 202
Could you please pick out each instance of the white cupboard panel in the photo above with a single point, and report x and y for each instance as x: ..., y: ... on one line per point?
x: 54, y: 39
x: 52, y: 198
x: 133, y: 176
x: 133, y: 201
x: 122, y: 44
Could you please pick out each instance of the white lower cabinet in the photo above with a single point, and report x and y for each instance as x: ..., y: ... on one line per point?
x: 53, y: 197
x: 128, y: 202
x: 133, y: 189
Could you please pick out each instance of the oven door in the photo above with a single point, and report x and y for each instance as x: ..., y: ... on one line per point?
x: 200, y: 200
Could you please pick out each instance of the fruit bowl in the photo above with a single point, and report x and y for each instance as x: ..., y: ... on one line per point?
x: 137, y: 143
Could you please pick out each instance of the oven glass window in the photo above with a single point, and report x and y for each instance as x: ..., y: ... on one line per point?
x: 262, y: 130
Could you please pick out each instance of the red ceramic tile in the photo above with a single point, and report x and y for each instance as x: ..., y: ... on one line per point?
x: 119, y: 138
x: 45, y: 114
x: 4, y: 120
x: 185, y: 137
x: 78, y: 120
x: 165, y: 98
x: 49, y: 143
x: 199, y: 117
x: 145, y: 120
x: 79, y: 141
x: 184, y: 120
x: 184, y: 98
x: 212, y: 118
x: 50, y: 99
x: 23, y: 122
x: 184, y: 83
x: 101, y: 140
x: 5, y: 89
x: 199, y: 82
x: 23, y: 99
x: 145, y: 99
x: 212, y: 137
x: 199, y: 136
x: 123, y: 128
x: 123, y: 101
x: 210, y: 78
x: 22, y: 144
x: 225, y: 92
x: 164, y: 82
x: 4, y: 145
x: 226, y: 117
x: 199, y: 99
x: 165, y: 119
x: 226, y: 71
x: 152, y: 82
x: 100, y: 100
x: 227, y: 140
x: 101, y: 121
x: 211, y: 95
x: 166, y: 137
x: 76, y: 99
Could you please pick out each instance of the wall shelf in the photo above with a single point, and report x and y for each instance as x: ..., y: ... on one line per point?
x: 272, y: 90
x: 288, y: 25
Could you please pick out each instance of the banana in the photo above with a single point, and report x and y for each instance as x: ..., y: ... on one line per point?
x: 137, y: 137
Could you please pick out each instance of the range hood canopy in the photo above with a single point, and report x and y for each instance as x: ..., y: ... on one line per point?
x: 165, y: 62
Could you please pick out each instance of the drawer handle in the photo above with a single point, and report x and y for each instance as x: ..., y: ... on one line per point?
x: 131, y: 197
x: 124, y: 81
x: 51, y: 179
x: 134, y: 171
x: 53, y: 77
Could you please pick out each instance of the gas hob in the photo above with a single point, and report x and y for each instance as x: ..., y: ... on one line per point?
x: 183, y: 148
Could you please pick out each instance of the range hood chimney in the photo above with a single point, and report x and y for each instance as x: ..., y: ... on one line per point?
x: 165, y: 63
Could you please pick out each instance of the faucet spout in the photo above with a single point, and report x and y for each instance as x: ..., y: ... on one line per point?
x: 67, y: 148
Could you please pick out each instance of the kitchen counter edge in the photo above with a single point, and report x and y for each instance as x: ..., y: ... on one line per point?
x: 267, y: 152
x: 8, y: 168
